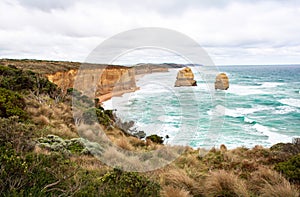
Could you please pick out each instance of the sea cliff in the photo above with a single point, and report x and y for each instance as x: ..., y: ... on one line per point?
x: 112, y: 80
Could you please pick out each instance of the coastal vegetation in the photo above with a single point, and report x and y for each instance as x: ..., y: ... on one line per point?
x: 42, y: 154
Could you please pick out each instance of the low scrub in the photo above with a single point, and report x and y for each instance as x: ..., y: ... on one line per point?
x: 119, y: 183
x: 11, y: 104
x: 290, y: 168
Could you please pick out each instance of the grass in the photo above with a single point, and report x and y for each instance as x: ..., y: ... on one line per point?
x: 222, y: 183
x: 267, y: 182
x: 170, y: 191
x: 179, y: 179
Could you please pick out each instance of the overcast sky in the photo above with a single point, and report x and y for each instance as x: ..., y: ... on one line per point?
x: 232, y: 32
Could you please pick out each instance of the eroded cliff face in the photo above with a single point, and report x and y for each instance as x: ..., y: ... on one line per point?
x: 109, y: 81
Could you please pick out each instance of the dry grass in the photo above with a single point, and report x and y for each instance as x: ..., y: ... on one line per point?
x: 270, y: 183
x: 278, y: 190
x: 124, y: 143
x: 90, y: 163
x: 40, y: 150
x: 169, y: 191
x: 46, y: 113
x: 41, y: 120
x: 117, y: 158
x: 136, y: 142
x: 222, y: 183
x: 180, y: 179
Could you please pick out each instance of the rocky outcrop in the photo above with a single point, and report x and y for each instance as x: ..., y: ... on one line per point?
x: 222, y: 82
x: 185, y: 77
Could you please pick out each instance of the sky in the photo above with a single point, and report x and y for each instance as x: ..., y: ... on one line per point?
x: 242, y: 32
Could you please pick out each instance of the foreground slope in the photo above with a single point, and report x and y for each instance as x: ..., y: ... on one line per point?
x: 41, y: 153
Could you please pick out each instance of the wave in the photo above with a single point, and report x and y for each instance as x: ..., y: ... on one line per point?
x: 250, y: 121
x: 271, y: 84
x: 273, y: 137
x: 291, y: 102
x: 252, y: 89
x: 284, y: 109
x: 238, y: 112
x: 245, y: 90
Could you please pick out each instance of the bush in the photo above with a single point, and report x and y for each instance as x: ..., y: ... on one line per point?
x: 93, y: 115
x: 155, y: 138
x: 15, y: 134
x: 18, y: 80
x: 57, y: 144
x: 290, y: 168
x: 119, y: 183
x: 11, y: 104
x: 35, y: 174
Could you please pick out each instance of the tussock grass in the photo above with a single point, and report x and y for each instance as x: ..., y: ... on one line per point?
x: 222, y: 183
x: 124, y: 143
x: 42, y: 120
x: 90, y: 163
x: 279, y: 190
x: 179, y: 178
x: 267, y: 182
x: 169, y: 191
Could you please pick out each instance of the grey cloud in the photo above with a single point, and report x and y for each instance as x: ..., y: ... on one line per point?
x: 46, y: 5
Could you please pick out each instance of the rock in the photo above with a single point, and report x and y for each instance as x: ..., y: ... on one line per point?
x: 222, y: 82
x: 185, y: 77
x: 140, y: 134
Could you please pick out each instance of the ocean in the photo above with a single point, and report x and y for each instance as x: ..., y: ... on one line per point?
x: 261, y: 107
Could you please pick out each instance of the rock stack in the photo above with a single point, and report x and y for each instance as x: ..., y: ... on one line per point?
x: 185, y: 77
x: 222, y: 82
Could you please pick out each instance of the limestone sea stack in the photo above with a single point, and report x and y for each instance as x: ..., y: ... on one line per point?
x: 185, y: 77
x: 222, y: 82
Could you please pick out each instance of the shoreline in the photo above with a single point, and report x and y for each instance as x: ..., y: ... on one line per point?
x: 108, y: 96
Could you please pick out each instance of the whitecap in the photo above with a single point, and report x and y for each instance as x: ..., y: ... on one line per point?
x: 238, y: 112
x: 284, y: 109
x: 245, y: 90
x: 291, y: 102
x: 273, y: 137
x: 270, y: 84
x: 248, y: 120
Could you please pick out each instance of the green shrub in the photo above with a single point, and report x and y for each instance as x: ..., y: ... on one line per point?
x: 11, y: 104
x: 75, y: 146
x: 15, y: 134
x: 119, y: 183
x: 35, y: 175
x: 93, y: 115
x: 58, y: 144
x: 155, y: 138
x: 290, y: 168
x: 18, y: 80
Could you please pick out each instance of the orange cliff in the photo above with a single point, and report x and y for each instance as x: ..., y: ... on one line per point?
x: 113, y: 81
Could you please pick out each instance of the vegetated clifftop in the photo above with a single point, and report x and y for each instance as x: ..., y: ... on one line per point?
x: 112, y: 80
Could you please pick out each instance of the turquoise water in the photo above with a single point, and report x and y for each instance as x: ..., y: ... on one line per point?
x: 261, y: 106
